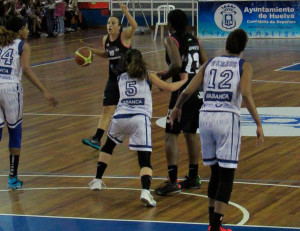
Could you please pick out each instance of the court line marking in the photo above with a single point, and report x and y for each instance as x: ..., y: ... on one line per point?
x: 52, y: 62
x: 147, y: 52
x: 286, y: 67
x: 66, y: 41
x: 71, y: 58
x: 150, y: 221
x: 34, y: 174
x: 71, y: 115
x: 156, y: 178
x: 272, y: 81
x: 245, y: 212
x: 57, y: 114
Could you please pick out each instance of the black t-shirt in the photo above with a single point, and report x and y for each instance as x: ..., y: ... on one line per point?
x: 115, y: 51
x: 190, y: 60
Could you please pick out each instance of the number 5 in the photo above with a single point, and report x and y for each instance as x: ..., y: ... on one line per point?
x: 131, y: 88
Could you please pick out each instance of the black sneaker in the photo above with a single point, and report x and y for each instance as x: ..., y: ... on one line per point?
x: 191, y: 182
x: 168, y: 188
x: 92, y: 142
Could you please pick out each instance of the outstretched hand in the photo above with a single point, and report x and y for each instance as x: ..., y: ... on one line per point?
x: 52, y: 101
x: 175, y: 114
x: 86, y: 44
x: 260, y: 136
x: 123, y: 7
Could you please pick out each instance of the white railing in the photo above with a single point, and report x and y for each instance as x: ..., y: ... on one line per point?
x: 151, y: 6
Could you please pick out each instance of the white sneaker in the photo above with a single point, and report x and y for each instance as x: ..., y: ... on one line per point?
x: 69, y: 30
x: 147, y: 198
x: 96, y: 184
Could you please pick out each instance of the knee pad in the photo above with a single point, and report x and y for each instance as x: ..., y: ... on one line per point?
x: 144, y: 159
x: 226, y: 177
x: 15, y: 136
x: 213, y: 182
x: 108, y: 146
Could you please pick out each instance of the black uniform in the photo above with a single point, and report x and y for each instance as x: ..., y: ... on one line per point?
x: 190, y: 64
x: 115, y: 51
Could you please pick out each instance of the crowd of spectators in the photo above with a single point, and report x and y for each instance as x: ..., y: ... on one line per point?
x: 45, y: 18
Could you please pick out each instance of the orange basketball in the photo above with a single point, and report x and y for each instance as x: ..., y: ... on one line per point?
x: 83, y: 56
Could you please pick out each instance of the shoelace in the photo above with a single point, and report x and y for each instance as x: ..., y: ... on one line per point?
x: 104, y: 185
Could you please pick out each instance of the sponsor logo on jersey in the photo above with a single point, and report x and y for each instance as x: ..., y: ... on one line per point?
x: 134, y: 101
x: 218, y: 96
x: 5, y: 70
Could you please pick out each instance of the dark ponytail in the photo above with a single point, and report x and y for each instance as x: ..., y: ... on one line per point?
x: 179, y: 21
x: 10, y: 32
x: 135, y: 64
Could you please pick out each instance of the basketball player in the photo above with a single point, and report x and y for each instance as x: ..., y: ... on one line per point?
x: 115, y: 43
x: 226, y: 81
x: 15, y: 59
x: 183, y: 54
x: 133, y: 118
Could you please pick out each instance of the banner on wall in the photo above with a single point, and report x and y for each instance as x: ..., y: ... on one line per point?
x: 260, y: 19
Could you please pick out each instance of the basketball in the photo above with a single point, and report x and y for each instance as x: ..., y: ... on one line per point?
x: 83, y: 56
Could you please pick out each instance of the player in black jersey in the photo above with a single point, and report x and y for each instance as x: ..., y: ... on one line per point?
x: 115, y: 43
x: 184, y: 54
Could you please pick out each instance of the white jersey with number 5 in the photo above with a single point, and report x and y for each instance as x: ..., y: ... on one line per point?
x: 10, y: 64
x: 221, y: 84
x: 135, y: 96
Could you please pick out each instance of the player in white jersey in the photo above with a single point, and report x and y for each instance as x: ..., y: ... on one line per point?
x: 133, y: 118
x: 226, y: 81
x: 15, y: 60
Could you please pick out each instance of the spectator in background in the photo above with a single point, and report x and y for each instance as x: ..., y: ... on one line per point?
x: 59, y: 13
x: 2, y: 12
x: 41, y: 18
x: 34, y: 20
x: 49, y: 7
x: 69, y: 16
x: 75, y: 13
x: 10, y: 10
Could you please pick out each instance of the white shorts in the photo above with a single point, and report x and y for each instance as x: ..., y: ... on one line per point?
x: 220, y: 136
x: 137, y: 127
x: 11, y: 104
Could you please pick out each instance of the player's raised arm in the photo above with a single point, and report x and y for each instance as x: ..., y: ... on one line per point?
x: 129, y: 32
x: 167, y: 86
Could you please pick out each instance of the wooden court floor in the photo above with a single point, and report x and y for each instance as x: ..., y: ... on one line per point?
x: 56, y: 167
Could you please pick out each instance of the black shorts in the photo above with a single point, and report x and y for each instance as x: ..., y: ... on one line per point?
x: 189, y: 121
x: 111, y: 93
